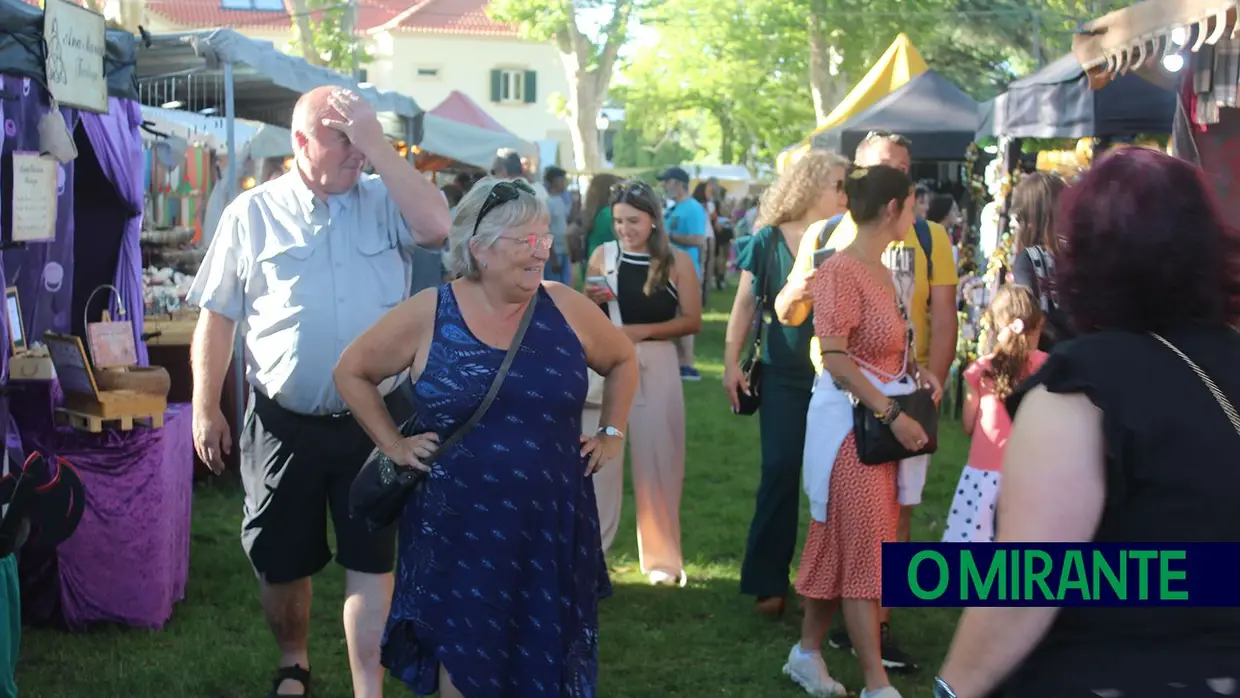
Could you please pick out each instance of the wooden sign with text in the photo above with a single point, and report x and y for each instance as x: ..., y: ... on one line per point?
x: 34, y: 197
x: 76, y: 46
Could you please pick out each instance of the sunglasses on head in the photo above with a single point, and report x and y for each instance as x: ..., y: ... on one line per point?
x: 888, y: 136
x: 500, y: 194
x: 624, y: 190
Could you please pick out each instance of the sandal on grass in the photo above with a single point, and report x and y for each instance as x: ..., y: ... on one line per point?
x: 291, y: 673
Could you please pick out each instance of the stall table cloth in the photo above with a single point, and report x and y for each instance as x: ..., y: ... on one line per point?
x: 128, y: 561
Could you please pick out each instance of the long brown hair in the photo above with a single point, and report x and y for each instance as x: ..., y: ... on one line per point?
x: 796, y: 191
x: 1033, y: 203
x: 1009, y: 362
x: 640, y: 196
x: 598, y: 197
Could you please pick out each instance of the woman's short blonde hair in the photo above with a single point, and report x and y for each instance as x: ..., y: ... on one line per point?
x: 527, y: 207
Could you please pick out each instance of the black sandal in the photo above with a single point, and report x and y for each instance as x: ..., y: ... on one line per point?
x: 291, y: 673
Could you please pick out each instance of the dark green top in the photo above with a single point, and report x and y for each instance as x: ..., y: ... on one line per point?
x: 603, y: 230
x: 785, y: 350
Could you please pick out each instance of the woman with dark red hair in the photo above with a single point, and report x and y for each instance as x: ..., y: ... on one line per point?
x: 1118, y: 439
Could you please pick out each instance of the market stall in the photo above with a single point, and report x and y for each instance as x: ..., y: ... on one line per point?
x: 1058, y: 102
x: 183, y: 157
x: 900, y: 63
x: 70, y: 249
x: 1193, y: 45
x: 460, y: 135
x: 939, y: 118
x: 223, y: 73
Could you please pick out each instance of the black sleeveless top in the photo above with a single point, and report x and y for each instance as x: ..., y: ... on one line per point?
x: 1172, y: 475
x: 636, y: 308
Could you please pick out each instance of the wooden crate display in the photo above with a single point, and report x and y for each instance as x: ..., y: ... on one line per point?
x: 88, y: 408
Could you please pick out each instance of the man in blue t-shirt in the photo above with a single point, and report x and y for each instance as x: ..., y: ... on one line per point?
x: 687, y: 225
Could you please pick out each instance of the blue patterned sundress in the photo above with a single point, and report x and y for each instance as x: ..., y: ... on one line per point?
x: 500, y: 564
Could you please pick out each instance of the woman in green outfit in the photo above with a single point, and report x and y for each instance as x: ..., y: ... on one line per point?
x: 596, y: 214
x: 808, y: 193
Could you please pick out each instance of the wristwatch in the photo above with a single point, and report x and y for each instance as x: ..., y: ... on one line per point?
x: 942, y: 690
x: 610, y: 431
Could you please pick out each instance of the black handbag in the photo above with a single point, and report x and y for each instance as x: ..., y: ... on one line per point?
x: 877, y: 443
x: 382, y: 487
x: 751, y: 365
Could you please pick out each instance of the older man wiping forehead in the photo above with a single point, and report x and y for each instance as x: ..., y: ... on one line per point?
x: 302, y: 265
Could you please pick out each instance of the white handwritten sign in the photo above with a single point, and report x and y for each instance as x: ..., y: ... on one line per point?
x: 75, y: 51
x: 34, y: 197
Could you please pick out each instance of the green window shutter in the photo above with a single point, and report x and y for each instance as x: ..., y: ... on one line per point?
x: 497, y: 86
x: 531, y: 87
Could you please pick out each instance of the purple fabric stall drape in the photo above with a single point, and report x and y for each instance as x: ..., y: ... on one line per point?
x: 5, y: 348
x: 118, y: 146
x: 128, y: 560
x: 42, y: 271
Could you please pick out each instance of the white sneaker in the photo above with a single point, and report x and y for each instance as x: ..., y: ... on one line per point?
x: 809, y: 671
x: 661, y: 578
x: 884, y: 692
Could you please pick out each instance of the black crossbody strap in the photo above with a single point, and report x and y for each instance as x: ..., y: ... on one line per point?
x: 495, y: 383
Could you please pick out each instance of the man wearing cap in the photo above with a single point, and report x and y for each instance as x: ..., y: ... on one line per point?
x: 687, y: 227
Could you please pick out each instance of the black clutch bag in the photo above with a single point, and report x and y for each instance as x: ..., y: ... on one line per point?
x: 382, y: 487
x: 877, y: 444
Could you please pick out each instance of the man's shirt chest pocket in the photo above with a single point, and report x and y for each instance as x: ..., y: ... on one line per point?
x: 379, y: 269
x: 288, y: 272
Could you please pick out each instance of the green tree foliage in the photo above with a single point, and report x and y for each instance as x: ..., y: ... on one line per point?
x: 321, y: 35
x: 589, y: 35
x: 737, y: 80
x: 724, y: 80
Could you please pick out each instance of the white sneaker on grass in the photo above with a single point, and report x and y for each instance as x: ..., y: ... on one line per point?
x: 884, y: 692
x: 809, y: 671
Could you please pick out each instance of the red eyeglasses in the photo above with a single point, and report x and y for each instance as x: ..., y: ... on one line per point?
x: 535, y: 241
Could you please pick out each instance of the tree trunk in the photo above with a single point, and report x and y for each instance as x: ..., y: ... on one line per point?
x: 299, y: 13
x: 824, y: 80
x: 584, y: 102
x: 589, y: 69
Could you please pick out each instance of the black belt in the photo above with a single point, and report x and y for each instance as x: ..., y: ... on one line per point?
x: 328, y: 417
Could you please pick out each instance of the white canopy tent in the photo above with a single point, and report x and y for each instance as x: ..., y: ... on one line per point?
x: 466, y: 143
x: 253, y: 139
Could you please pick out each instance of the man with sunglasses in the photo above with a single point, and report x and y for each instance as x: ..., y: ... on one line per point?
x: 926, y: 279
x: 302, y: 265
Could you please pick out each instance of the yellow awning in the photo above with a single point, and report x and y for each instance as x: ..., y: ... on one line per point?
x: 899, y: 64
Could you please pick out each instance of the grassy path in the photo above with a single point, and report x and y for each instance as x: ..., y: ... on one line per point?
x: 703, y: 640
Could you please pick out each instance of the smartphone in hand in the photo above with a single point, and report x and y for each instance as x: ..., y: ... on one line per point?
x: 600, y: 283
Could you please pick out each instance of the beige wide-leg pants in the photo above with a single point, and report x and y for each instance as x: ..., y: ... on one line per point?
x: 656, y: 442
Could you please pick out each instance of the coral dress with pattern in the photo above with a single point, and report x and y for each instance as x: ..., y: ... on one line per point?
x: 843, y: 555
x: 500, y: 568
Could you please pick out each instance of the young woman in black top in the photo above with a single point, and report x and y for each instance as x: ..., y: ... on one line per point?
x: 650, y: 290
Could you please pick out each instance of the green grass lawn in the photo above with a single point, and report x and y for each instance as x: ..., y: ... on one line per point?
x: 703, y: 640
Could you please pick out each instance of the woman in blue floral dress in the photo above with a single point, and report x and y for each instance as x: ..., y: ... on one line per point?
x: 500, y: 568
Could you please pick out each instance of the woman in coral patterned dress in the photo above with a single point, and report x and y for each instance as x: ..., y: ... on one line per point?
x: 865, y: 340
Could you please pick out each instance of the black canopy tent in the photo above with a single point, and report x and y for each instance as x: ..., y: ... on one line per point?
x: 938, y: 117
x: 21, y: 49
x: 1057, y: 102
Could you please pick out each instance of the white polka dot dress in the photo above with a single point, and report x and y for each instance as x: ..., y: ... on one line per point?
x: 972, y: 516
